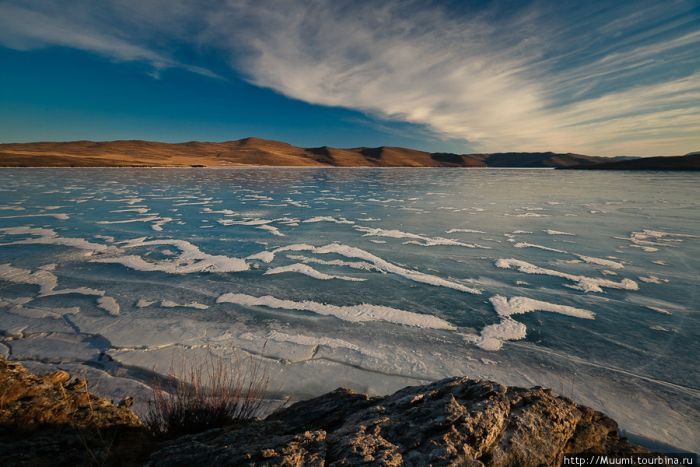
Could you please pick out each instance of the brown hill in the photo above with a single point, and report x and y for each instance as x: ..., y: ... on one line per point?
x: 134, y: 153
x: 538, y: 159
x: 372, y: 157
x: 260, y: 152
x: 688, y: 162
x: 248, y: 151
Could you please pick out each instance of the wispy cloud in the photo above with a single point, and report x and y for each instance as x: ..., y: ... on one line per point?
x: 79, y: 27
x: 595, y: 77
x: 502, y: 82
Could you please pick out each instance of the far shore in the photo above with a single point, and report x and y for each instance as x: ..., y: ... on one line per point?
x: 259, y: 153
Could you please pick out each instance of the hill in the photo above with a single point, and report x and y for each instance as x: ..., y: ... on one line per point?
x: 689, y: 162
x: 261, y: 152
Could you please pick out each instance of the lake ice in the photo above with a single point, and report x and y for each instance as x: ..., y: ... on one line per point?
x: 585, y: 282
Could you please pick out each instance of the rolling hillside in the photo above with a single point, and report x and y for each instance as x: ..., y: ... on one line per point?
x: 260, y: 152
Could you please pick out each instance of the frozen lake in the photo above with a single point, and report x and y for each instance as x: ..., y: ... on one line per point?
x: 585, y: 282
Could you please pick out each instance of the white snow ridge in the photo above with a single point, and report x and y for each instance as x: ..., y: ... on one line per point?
x: 309, y: 271
x: 352, y: 313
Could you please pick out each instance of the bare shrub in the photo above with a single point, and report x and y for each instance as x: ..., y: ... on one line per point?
x: 210, y: 393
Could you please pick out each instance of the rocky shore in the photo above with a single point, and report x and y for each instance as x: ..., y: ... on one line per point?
x: 53, y: 420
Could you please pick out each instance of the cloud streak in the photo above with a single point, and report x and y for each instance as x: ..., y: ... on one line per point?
x: 79, y: 27
x: 587, y: 78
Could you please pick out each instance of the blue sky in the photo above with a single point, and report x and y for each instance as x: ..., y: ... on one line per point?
x: 603, y: 78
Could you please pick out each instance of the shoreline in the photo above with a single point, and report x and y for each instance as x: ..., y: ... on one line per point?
x: 290, y: 167
x: 332, y: 167
x: 540, y: 427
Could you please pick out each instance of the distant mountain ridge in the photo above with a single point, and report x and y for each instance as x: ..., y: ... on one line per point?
x: 690, y: 161
x: 261, y: 152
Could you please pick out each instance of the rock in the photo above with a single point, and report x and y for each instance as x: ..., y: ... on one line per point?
x: 326, y: 412
x: 258, y: 443
x: 126, y: 402
x: 53, y: 420
x: 50, y: 420
x: 456, y: 421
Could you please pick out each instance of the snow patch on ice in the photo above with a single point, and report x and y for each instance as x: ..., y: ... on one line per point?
x: 653, y: 280
x: 465, y: 231
x: 262, y: 224
x: 650, y: 240
x: 336, y: 220
x: 336, y: 262
x: 137, y: 210
x: 584, y: 283
x: 172, y: 304
x: 659, y: 310
x: 309, y: 271
x: 417, y: 239
x: 601, y: 262
x: 190, y: 260
x: 109, y: 304
x: 43, y: 236
x: 272, y: 229
x: 45, y: 279
x: 225, y: 212
x: 519, y: 305
x: 249, y: 222
x: 77, y: 290
x: 557, y: 232
x: 157, y: 221
x: 353, y: 313
x: 540, y: 247
x: 379, y: 263
x: 416, y: 276
x: 57, y: 215
x: 264, y: 256
x: 493, y: 336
